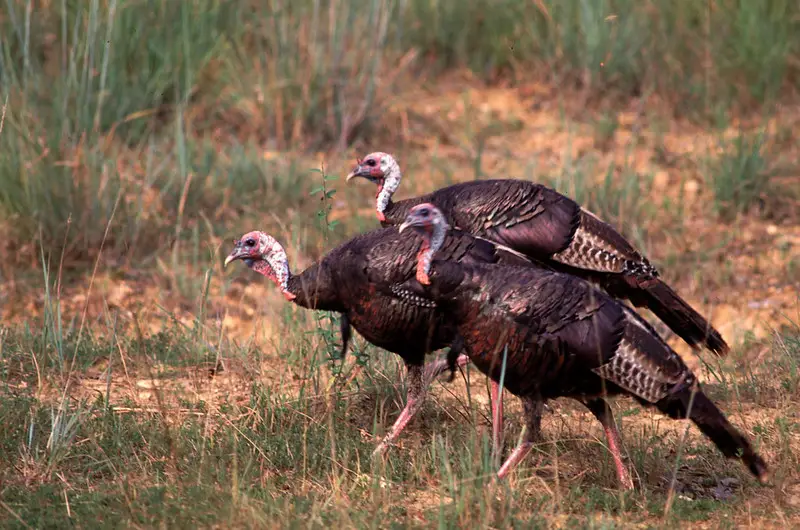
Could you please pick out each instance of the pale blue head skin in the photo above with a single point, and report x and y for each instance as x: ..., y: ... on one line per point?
x: 427, y: 220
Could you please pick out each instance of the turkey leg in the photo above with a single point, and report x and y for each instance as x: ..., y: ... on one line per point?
x: 532, y: 408
x: 497, y: 418
x: 603, y: 413
x: 418, y: 382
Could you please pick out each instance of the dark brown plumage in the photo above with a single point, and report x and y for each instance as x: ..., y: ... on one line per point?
x: 553, y: 335
x: 362, y: 279
x: 548, y: 228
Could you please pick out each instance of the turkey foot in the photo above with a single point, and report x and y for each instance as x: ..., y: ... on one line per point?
x: 437, y: 367
x: 411, y: 408
x: 533, y: 420
x: 414, y: 398
x: 603, y: 413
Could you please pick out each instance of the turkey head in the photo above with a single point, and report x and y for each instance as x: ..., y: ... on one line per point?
x: 384, y: 171
x: 263, y: 254
x: 429, y: 221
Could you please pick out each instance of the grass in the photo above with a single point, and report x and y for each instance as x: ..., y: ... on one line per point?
x: 740, y: 178
x: 613, y: 193
x: 98, y: 123
x: 144, y: 386
x: 242, y: 453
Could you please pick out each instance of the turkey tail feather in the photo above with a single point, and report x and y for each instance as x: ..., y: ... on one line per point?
x: 681, y: 318
x: 713, y: 423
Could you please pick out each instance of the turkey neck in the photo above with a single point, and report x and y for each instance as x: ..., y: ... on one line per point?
x: 431, y: 242
x: 396, y: 212
x: 313, y: 288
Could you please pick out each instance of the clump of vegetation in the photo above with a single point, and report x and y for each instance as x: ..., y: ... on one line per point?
x: 740, y: 176
x: 110, y: 104
x: 242, y: 453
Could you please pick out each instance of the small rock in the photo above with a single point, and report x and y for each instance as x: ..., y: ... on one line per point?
x: 772, y: 230
x: 724, y: 490
x: 759, y: 304
x: 148, y: 383
x: 118, y: 294
x: 729, y: 482
x: 661, y: 180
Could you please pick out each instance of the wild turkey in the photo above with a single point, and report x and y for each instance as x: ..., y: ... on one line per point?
x: 549, y: 228
x: 561, y: 337
x: 361, y: 279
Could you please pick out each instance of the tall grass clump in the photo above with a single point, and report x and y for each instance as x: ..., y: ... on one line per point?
x: 78, y: 70
x: 315, y: 71
x: 109, y: 104
x: 107, y: 99
x: 702, y: 57
x: 739, y: 176
x: 87, y: 82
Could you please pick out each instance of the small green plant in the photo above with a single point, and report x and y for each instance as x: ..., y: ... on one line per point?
x: 739, y: 177
x: 328, y: 324
x: 326, y: 195
x: 787, y: 345
x: 605, y: 128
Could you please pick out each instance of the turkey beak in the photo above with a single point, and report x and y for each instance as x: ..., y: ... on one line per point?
x: 235, y: 254
x: 358, y: 171
x: 353, y: 174
x: 408, y: 223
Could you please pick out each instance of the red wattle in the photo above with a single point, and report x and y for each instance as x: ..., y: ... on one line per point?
x: 422, y: 276
x: 289, y: 296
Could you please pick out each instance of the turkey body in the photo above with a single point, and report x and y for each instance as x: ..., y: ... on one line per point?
x: 554, y: 332
x: 363, y: 280
x: 550, y: 335
x: 552, y: 229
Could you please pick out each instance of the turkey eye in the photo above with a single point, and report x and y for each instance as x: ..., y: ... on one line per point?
x: 370, y: 162
x: 250, y: 242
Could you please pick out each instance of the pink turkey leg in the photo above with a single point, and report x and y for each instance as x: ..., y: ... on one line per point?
x: 418, y: 383
x: 411, y: 408
x: 603, y: 413
x: 519, y: 453
x: 532, y: 408
x: 612, y: 435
